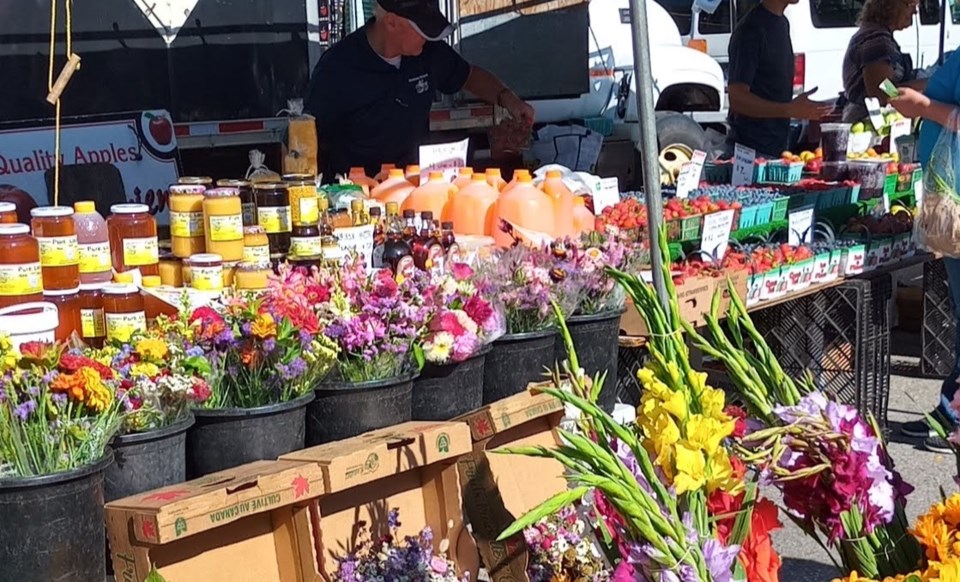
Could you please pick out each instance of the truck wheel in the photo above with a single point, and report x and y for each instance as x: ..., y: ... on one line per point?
x: 677, y: 136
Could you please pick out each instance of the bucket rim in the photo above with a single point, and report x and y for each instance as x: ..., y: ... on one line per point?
x: 9, y: 483
x: 601, y: 316
x: 482, y: 352
x: 299, y: 402
x: 406, y: 378
x: 527, y: 335
x: 157, y: 433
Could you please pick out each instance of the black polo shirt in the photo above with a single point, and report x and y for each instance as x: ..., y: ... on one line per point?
x: 370, y: 112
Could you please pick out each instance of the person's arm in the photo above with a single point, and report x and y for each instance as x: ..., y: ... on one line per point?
x: 485, y: 85
x: 912, y: 103
x: 873, y: 75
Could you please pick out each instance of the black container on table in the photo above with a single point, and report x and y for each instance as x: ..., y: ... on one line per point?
x: 53, y: 526
x: 346, y: 409
x: 596, y: 339
x: 223, y: 438
x: 448, y: 391
x: 148, y: 460
x: 515, y: 361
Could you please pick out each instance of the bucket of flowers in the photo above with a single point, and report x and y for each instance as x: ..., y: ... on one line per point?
x: 58, y: 413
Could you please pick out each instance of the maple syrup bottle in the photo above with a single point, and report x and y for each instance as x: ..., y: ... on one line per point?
x: 326, y: 226
x: 409, y: 227
x: 427, y: 248
x: 397, y: 254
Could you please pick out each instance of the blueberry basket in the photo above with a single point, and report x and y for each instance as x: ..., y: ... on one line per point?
x: 782, y: 173
x: 748, y: 216
x: 764, y: 214
x: 717, y: 173
x: 780, y: 208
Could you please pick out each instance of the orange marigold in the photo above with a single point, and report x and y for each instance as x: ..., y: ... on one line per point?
x: 70, y: 384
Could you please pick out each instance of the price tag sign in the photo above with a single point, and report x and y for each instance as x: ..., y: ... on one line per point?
x: 801, y: 227
x: 445, y: 157
x: 743, y: 158
x: 873, y: 108
x: 900, y: 128
x: 357, y: 239
x: 716, y: 233
x: 606, y: 193
x: 689, y: 178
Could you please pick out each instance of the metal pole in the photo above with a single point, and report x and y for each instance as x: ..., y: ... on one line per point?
x: 943, y: 30
x: 648, y: 141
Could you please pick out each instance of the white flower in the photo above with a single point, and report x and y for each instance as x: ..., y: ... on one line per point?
x: 467, y: 323
x: 449, y: 286
x: 438, y: 349
x: 561, y: 545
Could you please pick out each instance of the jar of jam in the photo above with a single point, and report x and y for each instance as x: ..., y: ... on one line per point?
x: 133, y: 239
x: 8, y: 213
x: 256, y: 245
x: 59, y: 251
x: 93, y: 329
x: 171, y: 272
x: 229, y: 273
x: 273, y: 214
x: 123, y: 311
x: 186, y: 219
x: 308, y: 264
x: 223, y: 215
x: 20, y: 274
x: 305, y: 240
x: 206, y: 272
x: 304, y: 207
x: 247, y: 199
x: 252, y: 276
x: 68, y: 310
x: 204, y: 181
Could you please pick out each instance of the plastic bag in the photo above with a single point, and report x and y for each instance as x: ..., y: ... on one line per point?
x: 258, y: 170
x: 300, y: 151
x: 937, y: 228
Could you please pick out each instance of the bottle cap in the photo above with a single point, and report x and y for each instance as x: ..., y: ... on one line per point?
x: 396, y: 173
x: 187, y: 189
x: 554, y: 174
x: 426, y: 215
x: 8, y: 207
x: 119, y: 288
x: 124, y: 277
x: 129, y: 208
x: 493, y: 172
x: 201, y: 180
x: 435, y: 176
x: 61, y: 292
x: 9, y: 229
x: 52, y: 211
x: 85, y: 207
x: 464, y: 171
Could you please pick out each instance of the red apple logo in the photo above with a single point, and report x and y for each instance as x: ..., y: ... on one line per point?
x: 160, y: 129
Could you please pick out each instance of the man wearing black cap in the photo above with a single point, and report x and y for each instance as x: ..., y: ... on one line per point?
x: 371, y: 93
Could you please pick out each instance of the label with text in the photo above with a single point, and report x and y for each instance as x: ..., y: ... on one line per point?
x: 95, y: 258
x: 92, y: 323
x: 206, y: 278
x: 801, y: 227
x: 257, y: 254
x: 186, y: 224
x: 743, y: 162
x: 58, y: 251
x: 121, y: 326
x: 305, y: 246
x: 141, y: 251
x: 716, y: 233
x: 274, y: 219
x: 690, y: 172
x: 22, y: 279
x: 226, y: 228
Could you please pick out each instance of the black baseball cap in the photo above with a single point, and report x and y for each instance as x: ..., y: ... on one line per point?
x: 424, y: 15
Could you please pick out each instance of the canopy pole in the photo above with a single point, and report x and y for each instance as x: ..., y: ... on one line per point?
x: 648, y: 142
x: 943, y: 30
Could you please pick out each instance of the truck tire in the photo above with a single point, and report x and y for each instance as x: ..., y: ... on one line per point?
x: 677, y: 129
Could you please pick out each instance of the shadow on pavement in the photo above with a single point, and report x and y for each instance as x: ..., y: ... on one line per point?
x: 797, y: 570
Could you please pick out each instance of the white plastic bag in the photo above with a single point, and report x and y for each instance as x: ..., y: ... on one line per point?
x: 937, y: 228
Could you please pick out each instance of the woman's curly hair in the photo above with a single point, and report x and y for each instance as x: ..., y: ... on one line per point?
x: 882, y: 12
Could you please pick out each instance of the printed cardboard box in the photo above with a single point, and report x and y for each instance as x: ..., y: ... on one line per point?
x: 247, y: 523
x: 498, y: 489
x: 694, y: 298
x: 410, y: 467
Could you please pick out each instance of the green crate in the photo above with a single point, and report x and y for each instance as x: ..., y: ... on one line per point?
x: 890, y: 185
x: 780, y: 206
x: 690, y: 227
x: 714, y: 173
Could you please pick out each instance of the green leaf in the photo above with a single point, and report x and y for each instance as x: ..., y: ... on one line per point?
x: 154, y: 576
x: 545, y: 509
x: 199, y: 364
x: 418, y: 356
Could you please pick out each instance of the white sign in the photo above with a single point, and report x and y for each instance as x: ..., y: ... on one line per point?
x: 357, y: 239
x: 801, y: 227
x: 918, y: 192
x: 899, y: 128
x: 168, y: 17
x: 606, y: 193
x: 743, y: 158
x: 689, y: 178
x: 142, y: 147
x: 873, y: 109
x: 716, y: 233
x: 448, y: 157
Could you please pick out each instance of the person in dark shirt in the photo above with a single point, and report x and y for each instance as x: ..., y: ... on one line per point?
x: 372, y: 92
x: 760, y: 82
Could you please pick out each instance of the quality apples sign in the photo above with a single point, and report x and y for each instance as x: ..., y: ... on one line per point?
x: 142, y: 147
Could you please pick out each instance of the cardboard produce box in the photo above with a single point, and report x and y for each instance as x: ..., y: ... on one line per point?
x: 250, y: 523
x: 498, y: 489
x: 694, y: 297
x: 410, y: 467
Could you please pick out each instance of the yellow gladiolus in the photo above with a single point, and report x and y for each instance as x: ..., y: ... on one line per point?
x: 691, y: 469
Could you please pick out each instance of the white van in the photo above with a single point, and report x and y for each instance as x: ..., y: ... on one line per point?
x: 820, y: 31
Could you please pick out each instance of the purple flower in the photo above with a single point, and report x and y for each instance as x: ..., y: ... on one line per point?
x: 59, y: 399
x: 393, y: 518
x: 3, y: 395
x: 24, y: 410
x: 247, y: 329
x: 269, y: 345
x: 306, y: 338
x: 195, y: 352
x: 720, y: 559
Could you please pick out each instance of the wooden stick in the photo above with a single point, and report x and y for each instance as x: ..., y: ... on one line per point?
x: 69, y: 68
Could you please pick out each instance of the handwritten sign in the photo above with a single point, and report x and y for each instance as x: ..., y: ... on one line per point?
x: 445, y: 157
x: 357, y: 239
x: 606, y: 193
x: 743, y: 159
x: 689, y: 178
x: 716, y: 233
x: 801, y: 227
x: 873, y: 109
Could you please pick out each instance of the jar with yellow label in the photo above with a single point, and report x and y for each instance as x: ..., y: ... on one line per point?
x: 252, y: 276
x: 171, y: 270
x: 20, y: 276
x: 68, y: 310
x: 206, y: 272
x: 223, y: 217
x: 247, y: 200
x: 8, y: 213
x: 186, y: 219
x: 273, y: 214
x: 256, y: 245
x: 205, y: 181
x: 93, y: 328
x: 56, y: 234
x: 133, y: 239
x: 304, y: 202
x: 229, y: 273
x: 123, y: 311
x: 305, y: 241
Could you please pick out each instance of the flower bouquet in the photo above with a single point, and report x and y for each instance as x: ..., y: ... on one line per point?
x: 585, y: 262
x: 562, y: 548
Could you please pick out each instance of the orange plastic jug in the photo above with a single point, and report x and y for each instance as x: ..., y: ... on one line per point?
x: 384, y: 172
x: 395, y: 188
x: 525, y: 206
x: 583, y: 220
x: 495, y: 179
x: 464, y: 177
x: 413, y: 174
x: 473, y: 209
x: 433, y: 196
x: 562, y: 203
x: 516, y: 180
x: 359, y: 177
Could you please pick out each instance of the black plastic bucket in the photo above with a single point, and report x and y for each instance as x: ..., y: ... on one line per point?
x: 53, y: 526
x: 147, y: 460
x: 347, y: 409
x: 223, y: 438
x: 515, y: 361
x: 448, y: 391
x: 597, y: 341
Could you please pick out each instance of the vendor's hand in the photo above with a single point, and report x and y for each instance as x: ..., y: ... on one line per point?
x: 910, y: 103
x: 803, y: 108
x: 518, y: 108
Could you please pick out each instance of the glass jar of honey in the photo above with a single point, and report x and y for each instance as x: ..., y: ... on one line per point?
x: 304, y: 207
x: 273, y: 214
x: 223, y: 217
x: 256, y: 245
x: 186, y: 219
x: 8, y: 213
x: 93, y: 328
x: 68, y: 310
x: 252, y: 276
x: 56, y: 234
x: 308, y: 264
x: 247, y: 199
x: 229, y: 273
x: 305, y: 240
x: 123, y: 311
x: 171, y: 272
x: 204, y: 181
x: 133, y: 239
x: 21, y: 280
x: 206, y: 272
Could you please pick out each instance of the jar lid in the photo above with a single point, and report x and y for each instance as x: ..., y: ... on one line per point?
x: 230, y: 264
x: 120, y: 289
x: 203, y: 180
x: 61, y: 292
x: 92, y: 286
x: 221, y: 192
x: 52, y: 212
x: 180, y: 189
x: 299, y: 178
x: 166, y: 255
x: 9, y: 229
x: 205, y: 259
x: 85, y: 207
x: 129, y: 209
x: 269, y: 186
x: 8, y: 207
x: 151, y: 281
x: 124, y: 277
x: 254, y: 266
x: 229, y: 183
x: 255, y: 229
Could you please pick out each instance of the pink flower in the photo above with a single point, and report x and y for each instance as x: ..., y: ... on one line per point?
x: 447, y: 321
x: 462, y: 271
x: 438, y: 565
x: 479, y: 310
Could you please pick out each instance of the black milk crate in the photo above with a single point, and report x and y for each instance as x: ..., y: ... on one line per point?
x: 938, y: 332
x: 631, y: 357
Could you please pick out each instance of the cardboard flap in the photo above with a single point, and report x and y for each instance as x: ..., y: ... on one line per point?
x: 385, y: 452
x: 510, y: 412
x: 187, y: 508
